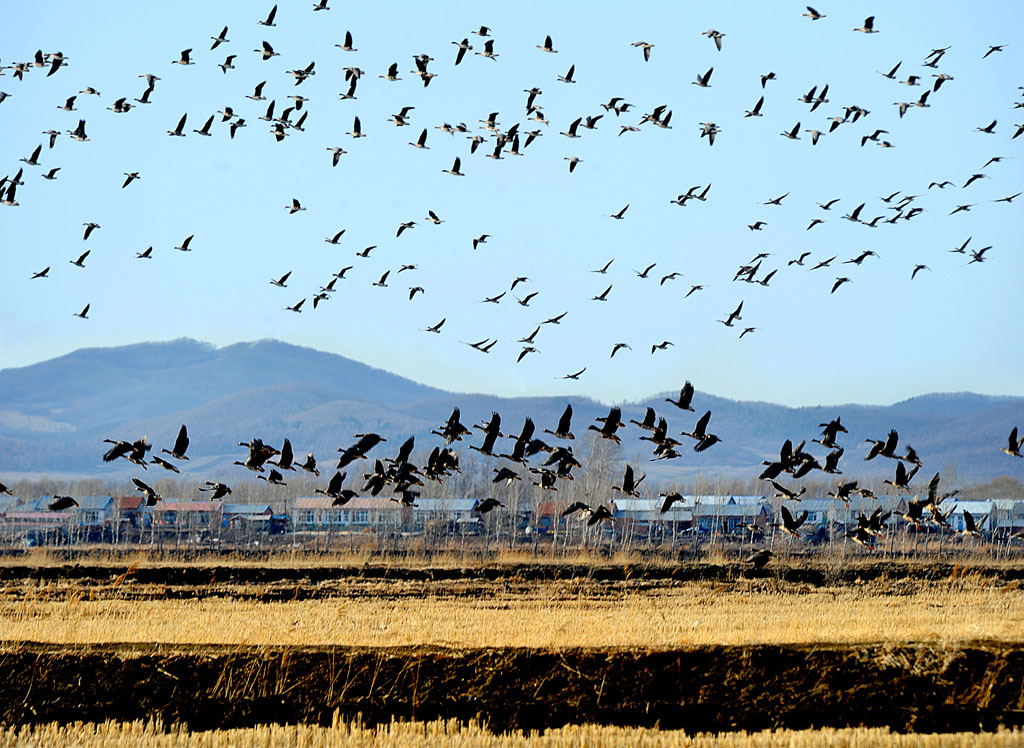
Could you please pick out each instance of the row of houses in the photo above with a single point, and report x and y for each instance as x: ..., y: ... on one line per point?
x: 126, y: 518
x: 106, y: 518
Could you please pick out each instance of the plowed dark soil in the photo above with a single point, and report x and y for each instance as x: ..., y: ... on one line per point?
x: 919, y: 687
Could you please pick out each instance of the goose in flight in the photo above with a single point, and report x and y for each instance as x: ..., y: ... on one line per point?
x: 33, y: 160
x: 221, y: 38
x: 280, y: 282
x: 151, y: 495
x: 756, y: 111
x: 184, y: 59
x: 715, y: 36
x: 790, y: 523
x: 357, y: 129
x: 295, y: 308
x: 205, y: 130
x: 294, y: 207
x: 970, y: 526
x: 9, y: 195
x: 548, y: 46
x: 576, y: 375
x: 685, y: 397
x: 621, y: 213
x: 868, y: 27
x: 567, y: 78
x: 603, y: 296
x: 146, y: 254
x: 525, y: 301
x: 392, y: 74
x: 486, y: 505
x: 80, y: 262
x: 903, y: 478
x: 217, y: 490
x: 488, y: 52
x: 178, y: 131
x: 855, y: 215
x: 886, y: 448
x: 337, y: 153
x: 813, y: 14
x: 464, y: 46
x: 645, y: 47
x: 275, y: 478
x: 563, y: 429
x: 733, y: 316
x: 347, y: 46
x: 700, y: 428
x: 662, y: 346
x: 572, y: 128
x: 84, y: 314
x: 629, y: 483
x: 89, y: 227
x: 270, y: 18
x: 617, y: 347
x: 455, y: 171
x: 792, y: 134
x: 257, y: 94
x: 781, y: 492
x: 61, y: 503
x: 180, y: 445
x: 839, y: 282
x: 702, y: 80
x: 1014, y: 444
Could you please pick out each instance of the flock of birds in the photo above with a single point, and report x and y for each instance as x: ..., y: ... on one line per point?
x: 544, y: 462
x: 497, y: 141
x: 548, y: 462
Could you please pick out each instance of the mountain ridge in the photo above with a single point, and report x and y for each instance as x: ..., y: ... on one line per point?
x: 55, y: 414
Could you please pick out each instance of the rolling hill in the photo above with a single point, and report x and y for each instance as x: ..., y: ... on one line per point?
x: 55, y: 414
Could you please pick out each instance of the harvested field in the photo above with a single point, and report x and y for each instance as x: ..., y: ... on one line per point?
x: 921, y: 688
x: 452, y: 733
x: 620, y: 610
x: 917, y: 648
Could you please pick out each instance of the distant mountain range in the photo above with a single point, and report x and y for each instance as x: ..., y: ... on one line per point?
x: 54, y: 415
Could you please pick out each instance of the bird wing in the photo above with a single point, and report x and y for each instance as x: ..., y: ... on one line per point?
x: 181, y: 443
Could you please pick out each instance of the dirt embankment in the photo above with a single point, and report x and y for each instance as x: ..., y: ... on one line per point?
x: 920, y: 687
x: 211, y: 576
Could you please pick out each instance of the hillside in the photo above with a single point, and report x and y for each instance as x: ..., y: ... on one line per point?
x: 54, y: 415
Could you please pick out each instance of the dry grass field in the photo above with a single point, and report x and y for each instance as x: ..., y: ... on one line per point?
x: 515, y: 646
x: 553, y: 614
x: 445, y: 734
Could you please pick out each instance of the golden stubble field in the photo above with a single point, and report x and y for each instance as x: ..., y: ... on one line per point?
x: 550, y: 614
x: 955, y: 631
x: 451, y: 734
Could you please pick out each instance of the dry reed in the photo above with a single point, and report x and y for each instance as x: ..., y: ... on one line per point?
x: 451, y: 734
x: 552, y: 614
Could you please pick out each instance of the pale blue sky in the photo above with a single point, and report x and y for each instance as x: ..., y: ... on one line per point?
x: 878, y: 339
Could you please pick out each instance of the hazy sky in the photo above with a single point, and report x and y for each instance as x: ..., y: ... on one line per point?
x: 877, y: 339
